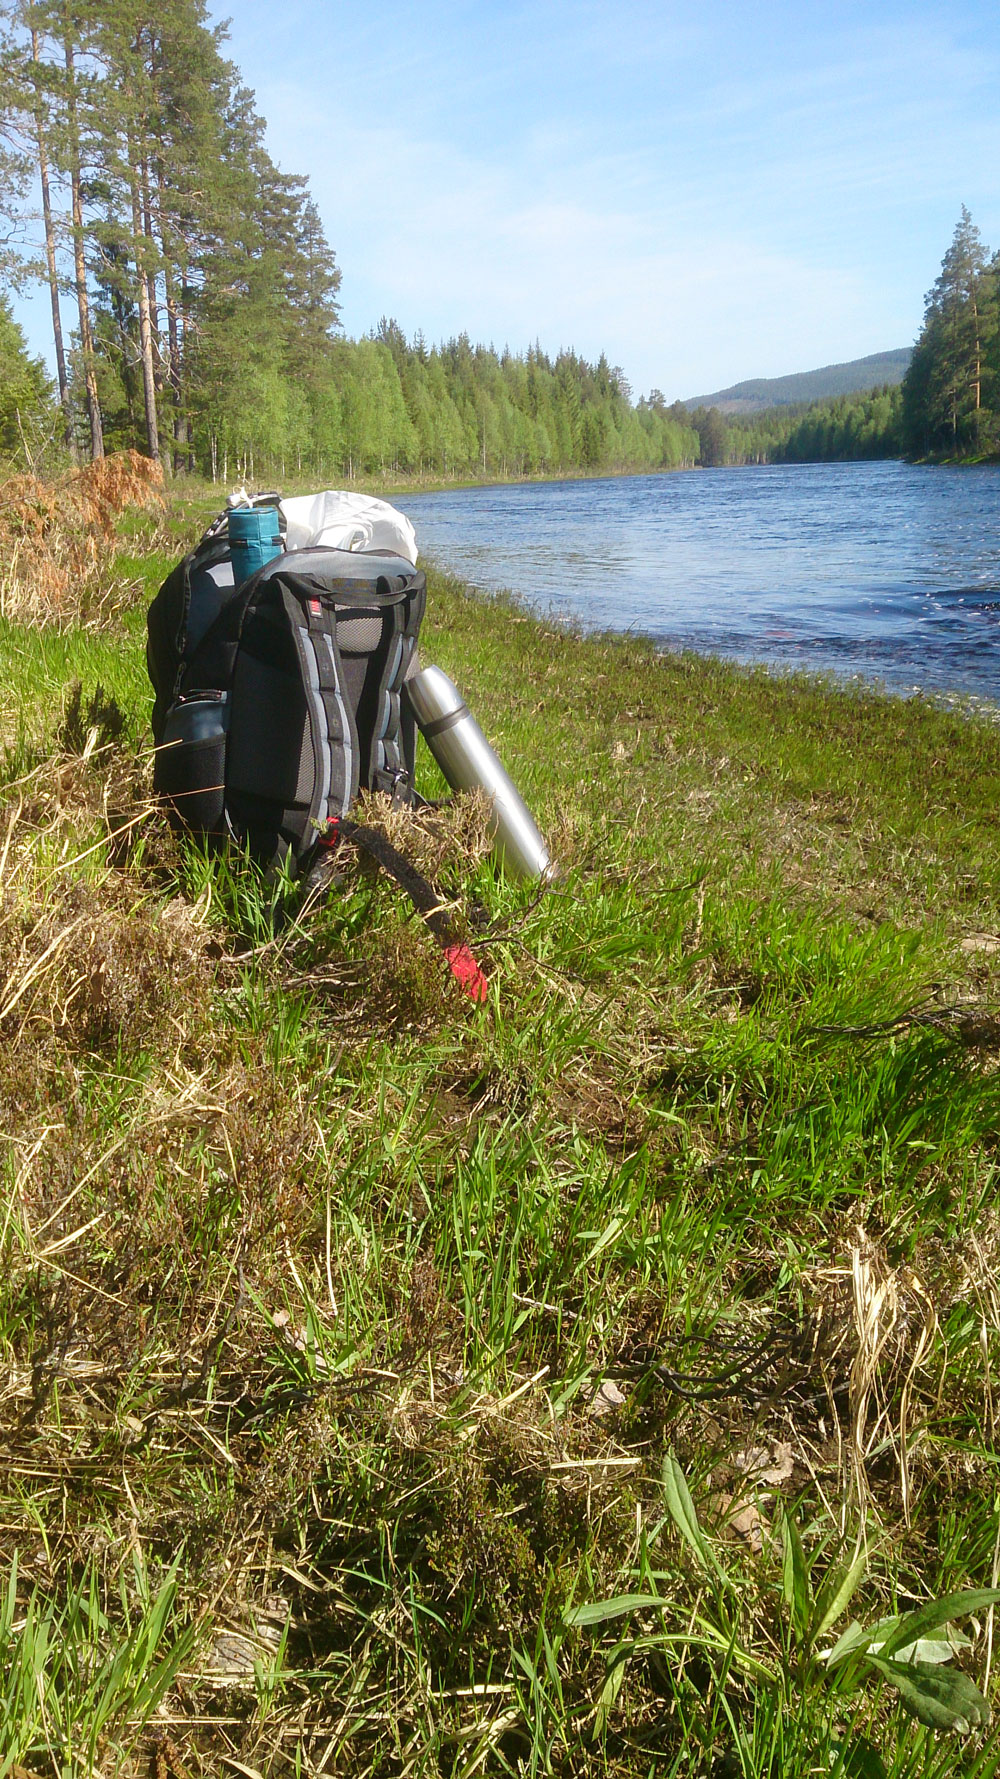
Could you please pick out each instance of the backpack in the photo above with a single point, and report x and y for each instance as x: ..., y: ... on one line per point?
x: 275, y: 702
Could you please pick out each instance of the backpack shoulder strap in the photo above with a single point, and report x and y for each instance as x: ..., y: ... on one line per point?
x: 332, y: 726
x: 391, y: 764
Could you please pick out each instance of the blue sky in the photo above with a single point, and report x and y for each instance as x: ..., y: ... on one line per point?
x: 705, y: 191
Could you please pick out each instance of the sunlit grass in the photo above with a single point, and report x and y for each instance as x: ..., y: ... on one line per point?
x: 381, y: 1314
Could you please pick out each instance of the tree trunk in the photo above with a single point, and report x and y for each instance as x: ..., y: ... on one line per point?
x: 151, y: 292
x: 174, y: 369
x: 175, y: 314
x: 80, y: 268
x: 145, y: 326
x: 184, y: 418
x: 50, y: 267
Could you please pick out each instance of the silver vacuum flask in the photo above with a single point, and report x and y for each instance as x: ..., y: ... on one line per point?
x: 469, y: 763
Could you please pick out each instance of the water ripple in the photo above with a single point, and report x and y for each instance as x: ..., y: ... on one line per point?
x: 887, y: 571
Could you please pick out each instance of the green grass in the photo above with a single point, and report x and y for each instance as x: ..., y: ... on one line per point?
x: 363, y: 1350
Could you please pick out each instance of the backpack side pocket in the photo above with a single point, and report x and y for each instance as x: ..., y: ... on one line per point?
x: 189, y: 770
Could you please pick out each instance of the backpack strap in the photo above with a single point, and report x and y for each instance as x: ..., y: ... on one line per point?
x: 432, y: 909
x: 167, y: 654
x: 331, y: 721
x: 388, y: 766
x: 206, y: 554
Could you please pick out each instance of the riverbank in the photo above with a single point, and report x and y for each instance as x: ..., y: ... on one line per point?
x: 352, y: 1333
x: 200, y: 496
x: 394, y: 484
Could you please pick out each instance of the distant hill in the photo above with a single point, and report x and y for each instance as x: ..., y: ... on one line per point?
x: 808, y: 386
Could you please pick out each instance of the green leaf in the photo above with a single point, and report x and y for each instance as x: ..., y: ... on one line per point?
x: 681, y: 1508
x: 881, y: 1639
x: 601, y: 1239
x: 834, y: 1595
x: 943, y: 1698
x: 595, y: 1612
x: 614, y: 1679
x: 848, y: 1643
x: 930, y: 1649
x: 937, y: 1613
x: 795, y: 1575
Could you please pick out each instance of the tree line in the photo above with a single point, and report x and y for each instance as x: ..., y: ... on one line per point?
x: 837, y: 429
x: 193, y: 291
x: 194, y: 302
x: 948, y: 404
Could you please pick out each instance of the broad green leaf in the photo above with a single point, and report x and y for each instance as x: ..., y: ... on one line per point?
x: 681, y: 1508
x: 929, y: 1649
x: 595, y: 1612
x: 834, y: 1595
x: 848, y: 1643
x: 877, y: 1638
x: 795, y: 1575
x: 937, y: 1613
x: 943, y: 1698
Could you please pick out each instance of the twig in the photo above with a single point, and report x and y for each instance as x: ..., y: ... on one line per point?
x: 976, y: 1026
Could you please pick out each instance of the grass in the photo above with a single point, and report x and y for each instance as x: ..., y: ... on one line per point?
x: 393, y: 1386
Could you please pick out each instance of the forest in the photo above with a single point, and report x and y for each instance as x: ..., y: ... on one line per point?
x: 841, y: 428
x: 194, y: 304
x: 202, y: 320
x: 943, y: 408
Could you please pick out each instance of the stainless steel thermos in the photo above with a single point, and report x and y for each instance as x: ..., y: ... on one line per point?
x: 469, y: 763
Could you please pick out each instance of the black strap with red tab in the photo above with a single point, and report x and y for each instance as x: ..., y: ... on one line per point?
x: 430, y: 906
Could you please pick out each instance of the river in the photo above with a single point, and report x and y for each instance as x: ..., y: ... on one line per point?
x: 889, y: 572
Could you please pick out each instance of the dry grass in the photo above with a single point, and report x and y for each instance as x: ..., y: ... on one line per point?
x: 57, y: 539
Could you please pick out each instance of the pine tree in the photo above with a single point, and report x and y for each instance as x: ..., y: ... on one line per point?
x: 944, y: 386
x: 16, y: 153
x: 130, y: 132
x: 25, y: 392
x: 72, y: 29
x: 35, y: 85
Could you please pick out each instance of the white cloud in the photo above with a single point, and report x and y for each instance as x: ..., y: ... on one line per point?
x: 449, y: 242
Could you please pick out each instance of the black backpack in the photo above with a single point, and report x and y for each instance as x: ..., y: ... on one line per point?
x: 275, y: 702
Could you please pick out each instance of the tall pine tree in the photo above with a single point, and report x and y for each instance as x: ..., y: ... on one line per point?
x: 946, y: 390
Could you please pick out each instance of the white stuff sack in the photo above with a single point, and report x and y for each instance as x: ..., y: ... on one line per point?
x: 347, y: 522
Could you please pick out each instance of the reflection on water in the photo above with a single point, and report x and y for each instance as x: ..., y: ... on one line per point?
x: 880, y: 569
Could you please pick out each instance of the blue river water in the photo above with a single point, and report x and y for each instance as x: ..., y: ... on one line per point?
x: 885, y: 571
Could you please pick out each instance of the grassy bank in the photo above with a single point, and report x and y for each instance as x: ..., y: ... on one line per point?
x: 198, y: 493
x: 367, y: 1355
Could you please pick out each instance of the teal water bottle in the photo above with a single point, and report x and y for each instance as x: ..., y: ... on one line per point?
x: 253, y: 539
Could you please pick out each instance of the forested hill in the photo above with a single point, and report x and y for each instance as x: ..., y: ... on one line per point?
x: 947, y: 405
x: 854, y: 378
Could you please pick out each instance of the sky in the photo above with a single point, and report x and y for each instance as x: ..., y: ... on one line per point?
x: 704, y: 191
